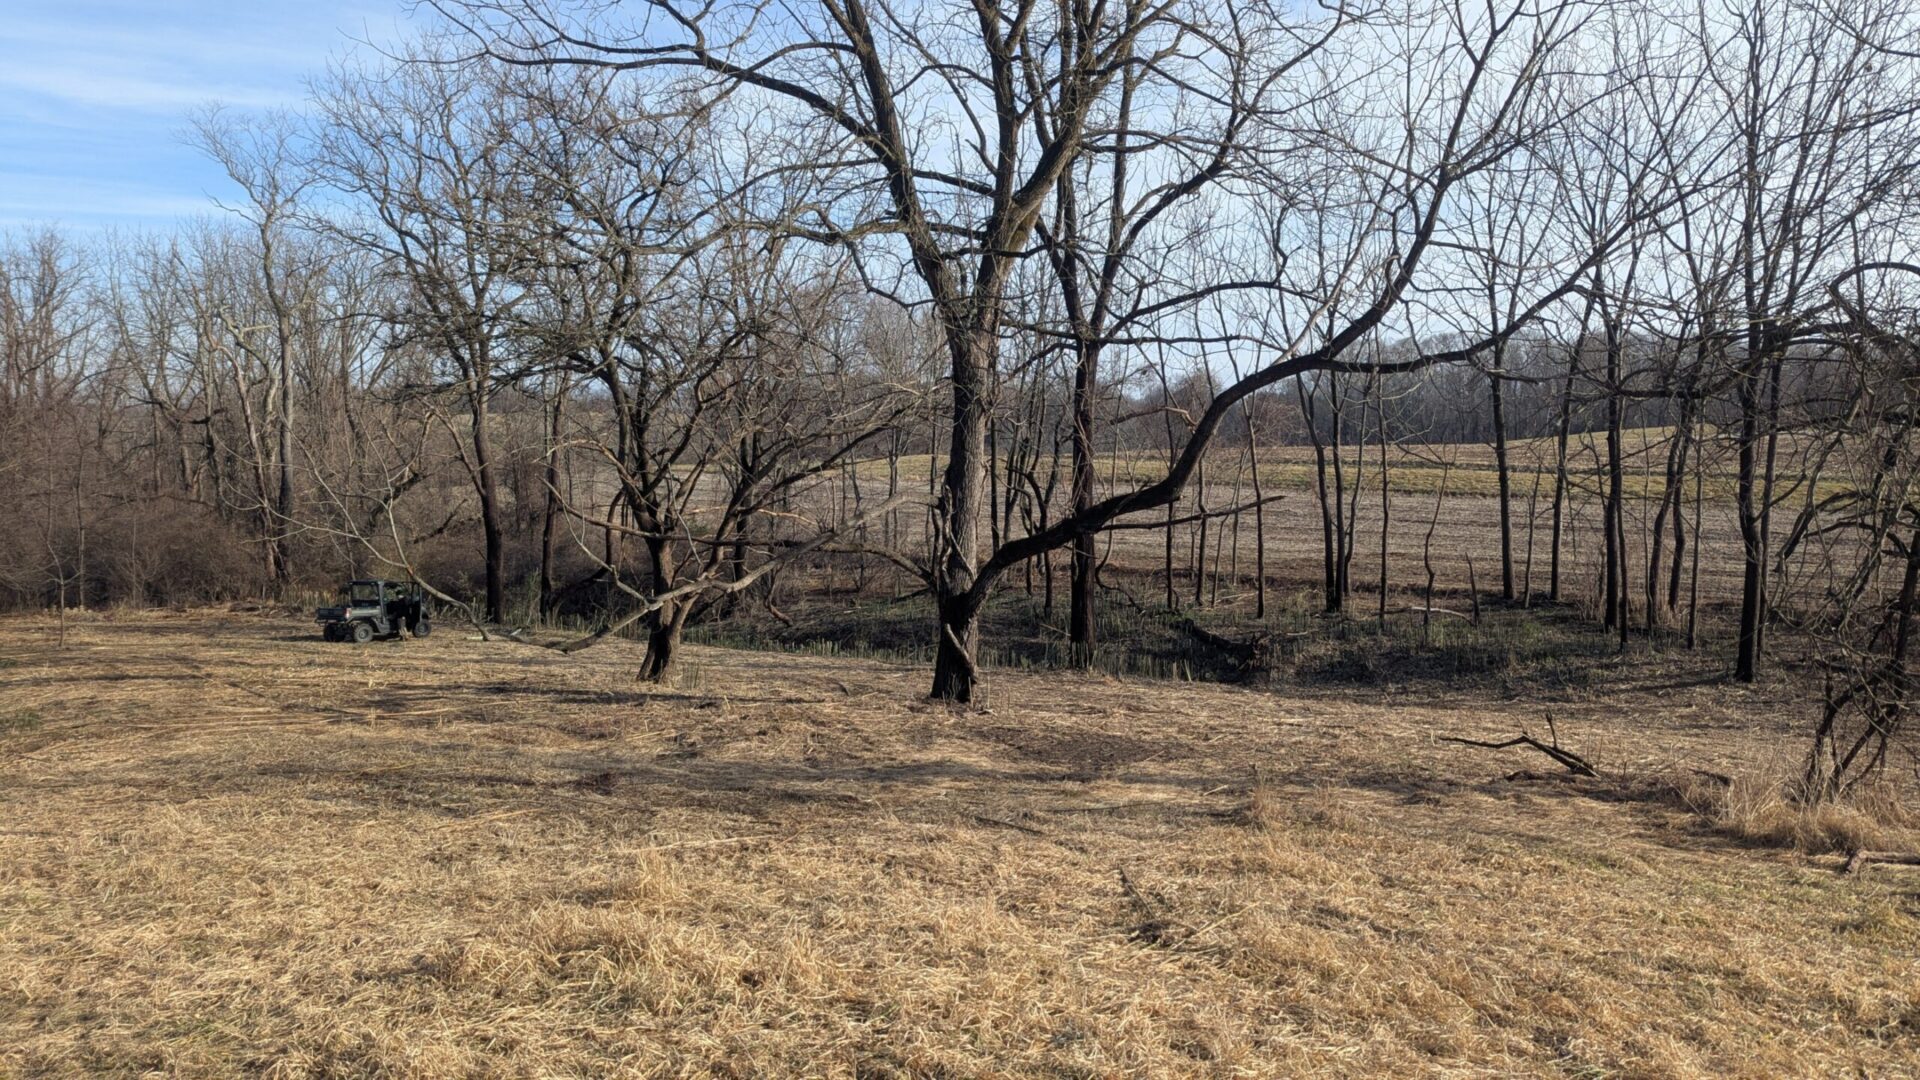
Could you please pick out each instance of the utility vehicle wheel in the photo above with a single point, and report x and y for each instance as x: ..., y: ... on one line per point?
x: 362, y: 633
x: 330, y: 632
x: 422, y: 628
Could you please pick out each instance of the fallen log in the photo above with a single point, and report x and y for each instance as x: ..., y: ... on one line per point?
x: 1862, y: 859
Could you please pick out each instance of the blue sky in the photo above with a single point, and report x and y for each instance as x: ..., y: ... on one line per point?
x: 94, y: 95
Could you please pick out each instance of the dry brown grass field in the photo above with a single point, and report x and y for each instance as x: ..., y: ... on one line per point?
x: 228, y: 848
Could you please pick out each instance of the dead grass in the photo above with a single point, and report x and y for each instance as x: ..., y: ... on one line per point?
x: 1758, y: 809
x: 230, y: 848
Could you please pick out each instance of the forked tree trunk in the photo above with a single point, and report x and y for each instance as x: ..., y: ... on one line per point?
x: 955, y: 673
x: 1672, y: 500
x: 1329, y: 566
x: 663, y: 643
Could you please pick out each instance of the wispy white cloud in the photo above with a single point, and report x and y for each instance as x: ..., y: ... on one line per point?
x: 89, y: 86
x: 170, y: 35
x: 94, y: 94
x: 248, y: 34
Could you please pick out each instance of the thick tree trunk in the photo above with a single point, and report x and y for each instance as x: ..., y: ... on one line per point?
x: 663, y: 643
x: 1080, y: 626
x: 955, y: 673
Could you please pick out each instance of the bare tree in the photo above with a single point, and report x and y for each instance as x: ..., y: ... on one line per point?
x: 1025, y: 86
x: 729, y: 367
x: 1820, y: 127
x: 1865, y: 522
x: 424, y: 150
x: 262, y: 158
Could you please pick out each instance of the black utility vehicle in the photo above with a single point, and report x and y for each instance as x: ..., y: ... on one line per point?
x: 376, y: 609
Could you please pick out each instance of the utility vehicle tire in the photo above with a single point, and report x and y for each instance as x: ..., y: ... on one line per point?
x: 362, y: 633
x: 422, y: 628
